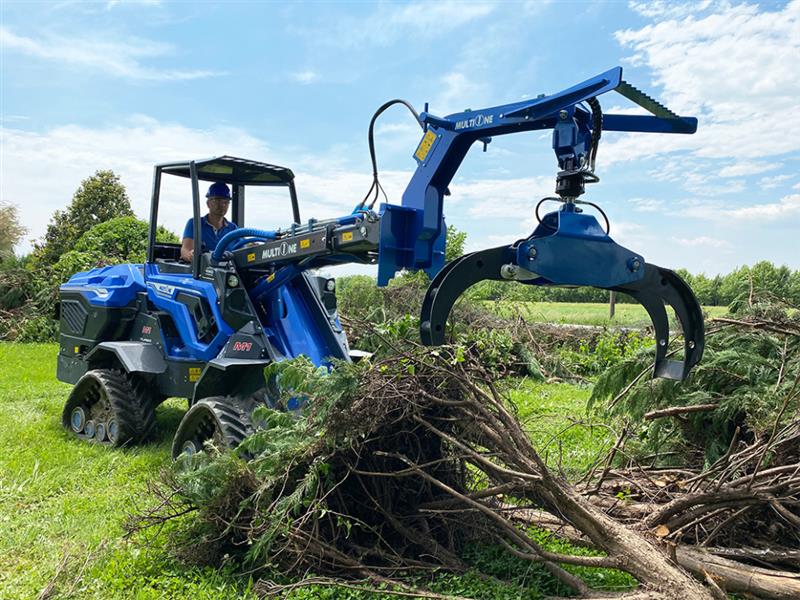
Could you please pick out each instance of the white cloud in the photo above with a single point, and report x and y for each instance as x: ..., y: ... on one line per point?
x: 458, y: 92
x: 734, y: 69
x: 390, y: 23
x: 499, y: 198
x: 742, y: 168
x: 305, y: 77
x: 434, y: 17
x: 647, y: 204
x: 114, y: 3
x: 788, y: 207
x: 773, y: 181
x: 696, y: 176
x: 668, y: 10
x: 120, y: 58
x: 702, y: 241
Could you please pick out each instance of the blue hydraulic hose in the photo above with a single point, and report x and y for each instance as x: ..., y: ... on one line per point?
x: 228, y: 238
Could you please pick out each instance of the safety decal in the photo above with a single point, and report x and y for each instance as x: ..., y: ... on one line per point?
x: 194, y: 373
x: 251, y: 257
x: 305, y: 243
x: 425, y: 145
x: 347, y: 236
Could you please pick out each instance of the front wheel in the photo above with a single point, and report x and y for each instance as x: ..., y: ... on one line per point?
x: 222, y: 420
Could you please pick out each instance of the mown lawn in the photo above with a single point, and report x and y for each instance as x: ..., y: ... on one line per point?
x: 626, y: 315
x: 63, y: 502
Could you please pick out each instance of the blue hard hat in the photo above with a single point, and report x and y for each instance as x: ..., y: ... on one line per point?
x: 218, y: 190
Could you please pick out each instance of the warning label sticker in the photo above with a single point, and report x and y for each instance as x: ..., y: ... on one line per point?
x: 425, y: 145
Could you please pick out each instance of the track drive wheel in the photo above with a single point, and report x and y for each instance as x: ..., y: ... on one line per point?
x: 111, y: 407
x: 224, y: 420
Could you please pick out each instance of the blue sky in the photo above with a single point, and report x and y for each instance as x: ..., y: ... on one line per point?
x: 124, y: 85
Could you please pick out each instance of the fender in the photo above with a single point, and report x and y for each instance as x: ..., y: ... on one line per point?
x: 135, y: 357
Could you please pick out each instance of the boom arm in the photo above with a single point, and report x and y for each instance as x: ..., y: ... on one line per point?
x: 567, y: 248
x: 447, y: 141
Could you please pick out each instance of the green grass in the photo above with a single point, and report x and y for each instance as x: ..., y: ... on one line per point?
x: 63, y: 502
x: 576, y: 313
x: 554, y: 415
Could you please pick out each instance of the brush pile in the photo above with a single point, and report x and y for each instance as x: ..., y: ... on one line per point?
x: 397, y: 465
x: 713, y: 467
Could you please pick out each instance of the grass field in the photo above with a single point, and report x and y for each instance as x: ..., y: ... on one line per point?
x: 63, y: 502
x: 626, y: 315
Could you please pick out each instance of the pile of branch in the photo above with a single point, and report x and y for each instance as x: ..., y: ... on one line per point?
x: 737, y: 519
x: 425, y: 457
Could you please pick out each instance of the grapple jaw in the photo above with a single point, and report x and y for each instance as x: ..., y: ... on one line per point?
x: 658, y: 287
x: 570, y: 248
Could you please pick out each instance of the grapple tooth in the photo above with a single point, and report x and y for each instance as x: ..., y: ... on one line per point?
x: 452, y: 281
x: 660, y: 286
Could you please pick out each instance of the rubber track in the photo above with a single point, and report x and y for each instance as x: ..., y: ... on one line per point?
x: 231, y: 416
x: 130, y: 402
x: 235, y: 421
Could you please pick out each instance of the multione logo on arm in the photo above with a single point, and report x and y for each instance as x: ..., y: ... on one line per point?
x: 476, y: 121
x: 277, y: 251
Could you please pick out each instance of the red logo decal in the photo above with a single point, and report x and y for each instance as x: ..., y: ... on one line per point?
x: 146, y: 330
x: 242, y: 346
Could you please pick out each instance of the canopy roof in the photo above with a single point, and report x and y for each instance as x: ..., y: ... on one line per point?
x: 230, y: 169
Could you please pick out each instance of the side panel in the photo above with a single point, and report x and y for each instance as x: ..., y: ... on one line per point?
x: 296, y: 321
x: 192, y: 305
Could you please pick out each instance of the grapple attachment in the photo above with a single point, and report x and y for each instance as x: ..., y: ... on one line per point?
x: 570, y: 248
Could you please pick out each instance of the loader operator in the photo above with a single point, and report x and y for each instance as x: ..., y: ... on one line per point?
x: 213, y: 226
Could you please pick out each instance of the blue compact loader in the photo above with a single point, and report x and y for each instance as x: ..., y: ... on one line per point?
x: 134, y: 334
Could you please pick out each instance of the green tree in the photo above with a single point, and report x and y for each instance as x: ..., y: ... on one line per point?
x: 99, y: 198
x: 455, y: 243
x: 11, y: 230
x: 117, y: 241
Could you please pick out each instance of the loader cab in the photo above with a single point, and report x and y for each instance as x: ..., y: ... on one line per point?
x: 238, y: 173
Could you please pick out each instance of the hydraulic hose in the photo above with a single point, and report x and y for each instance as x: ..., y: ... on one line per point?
x: 236, y: 234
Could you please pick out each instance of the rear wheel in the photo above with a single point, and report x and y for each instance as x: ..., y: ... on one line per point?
x: 110, y: 407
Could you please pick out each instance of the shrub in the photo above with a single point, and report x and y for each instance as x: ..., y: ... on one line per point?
x: 746, y: 371
x: 359, y: 297
x: 596, y: 354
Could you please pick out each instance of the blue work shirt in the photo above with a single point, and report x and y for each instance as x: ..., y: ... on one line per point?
x: 209, y: 235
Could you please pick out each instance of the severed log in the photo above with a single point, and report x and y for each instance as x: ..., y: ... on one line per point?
x: 735, y: 577
x: 679, y: 410
x: 783, y: 556
x: 732, y: 576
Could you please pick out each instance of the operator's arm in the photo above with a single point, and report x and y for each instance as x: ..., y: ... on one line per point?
x: 187, y: 249
x: 187, y: 244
